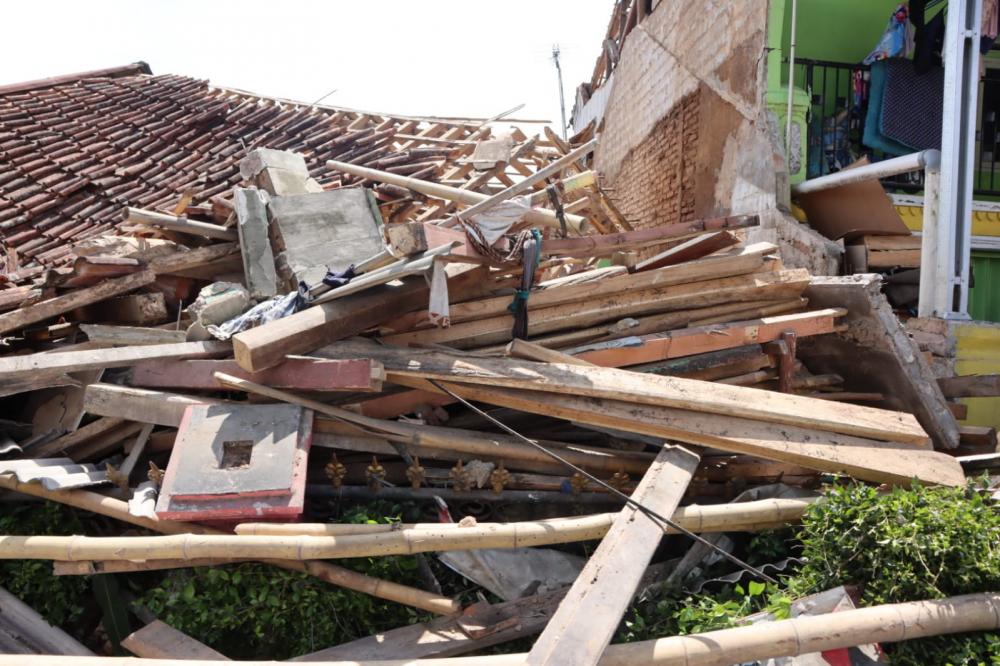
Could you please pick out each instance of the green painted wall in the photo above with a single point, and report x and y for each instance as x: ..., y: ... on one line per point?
x: 837, y: 30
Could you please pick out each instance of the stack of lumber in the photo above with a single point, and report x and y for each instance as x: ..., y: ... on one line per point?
x: 661, y: 362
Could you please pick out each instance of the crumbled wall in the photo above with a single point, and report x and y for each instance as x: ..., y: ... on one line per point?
x: 686, y: 132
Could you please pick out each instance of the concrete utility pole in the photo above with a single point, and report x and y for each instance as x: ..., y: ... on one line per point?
x: 562, y: 100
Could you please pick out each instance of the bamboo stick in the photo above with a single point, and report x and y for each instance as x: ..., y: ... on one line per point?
x: 428, y: 538
x: 541, y: 216
x: 107, y: 506
x: 175, y: 223
x: 733, y: 517
x: 889, y: 623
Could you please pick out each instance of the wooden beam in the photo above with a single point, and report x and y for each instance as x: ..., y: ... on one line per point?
x: 655, y: 390
x: 696, y: 248
x: 158, y: 640
x: 696, y: 276
x: 715, y: 337
x: 266, y: 346
x: 970, y: 386
x: 591, y: 611
x: 864, y: 459
x: 304, y: 374
x: 131, y: 335
x: 33, y: 631
x: 37, y: 312
x: 14, y: 366
x: 141, y: 405
x: 529, y: 351
x: 179, y: 262
x: 542, y: 320
x: 58, y: 447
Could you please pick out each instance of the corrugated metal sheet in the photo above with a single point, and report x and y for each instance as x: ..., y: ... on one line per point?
x: 54, y: 473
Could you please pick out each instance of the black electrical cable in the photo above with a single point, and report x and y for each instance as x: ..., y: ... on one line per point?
x: 652, y: 515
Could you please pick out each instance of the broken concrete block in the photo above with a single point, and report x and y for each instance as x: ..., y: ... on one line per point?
x: 279, y: 172
x: 313, y: 232
x: 216, y: 304
x: 252, y: 225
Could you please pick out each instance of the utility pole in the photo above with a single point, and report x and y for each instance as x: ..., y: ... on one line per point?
x: 562, y: 100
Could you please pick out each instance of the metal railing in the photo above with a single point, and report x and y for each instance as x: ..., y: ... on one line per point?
x: 839, y: 104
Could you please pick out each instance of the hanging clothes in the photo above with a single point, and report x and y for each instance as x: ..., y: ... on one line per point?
x: 929, y: 41
x: 989, y: 28
x: 898, y: 38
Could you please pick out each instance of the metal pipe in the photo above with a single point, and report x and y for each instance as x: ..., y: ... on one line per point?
x: 926, y: 159
x: 791, y: 90
x: 928, y: 242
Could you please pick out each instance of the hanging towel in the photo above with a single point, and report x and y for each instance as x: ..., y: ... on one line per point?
x: 897, y: 38
x: 873, y: 137
x: 912, y: 105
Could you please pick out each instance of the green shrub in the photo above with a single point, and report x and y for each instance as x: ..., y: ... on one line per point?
x: 59, y: 599
x: 257, y: 611
x: 907, y: 545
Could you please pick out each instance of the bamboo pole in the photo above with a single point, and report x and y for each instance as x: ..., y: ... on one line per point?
x: 470, y: 442
x: 175, y: 223
x: 541, y: 216
x: 427, y: 538
x: 107, y: 506
x: 733, y: 517
x: 889, y: 623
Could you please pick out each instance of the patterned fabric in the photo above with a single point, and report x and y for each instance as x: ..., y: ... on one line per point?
x: 913, y: 105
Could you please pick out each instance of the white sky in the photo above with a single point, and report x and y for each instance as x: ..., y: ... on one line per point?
x: 418, y: 57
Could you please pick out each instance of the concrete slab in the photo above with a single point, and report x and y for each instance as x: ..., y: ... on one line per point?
x: 258, y: 259
x: 313, y: 232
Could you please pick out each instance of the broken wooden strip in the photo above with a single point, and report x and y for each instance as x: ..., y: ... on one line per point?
x: 867, y: 460
x: 304, y: 374
x: 37, y: 312
x: 175, y: 223
x: 131, y: 335
x: 103, y: 445
x: 713, y: 365
x: 754, y: 310
x: 58, y: 447
x: 15, y: 366
x: 415, y: 237
x: 141, y: 405
x: 704, y: 339
x: 984, y: 437
x: 594, y: 246
x: 471, y: 334
x: 266, y: 346
x: 590, y: 612
x: 330, y: 573
x: 699, y: 274
x: 610, y: 383
x: 970, y: 386
x: 696, y: 248
x: 179, y: 262
x: 529, y: 351
x: 158, y: 640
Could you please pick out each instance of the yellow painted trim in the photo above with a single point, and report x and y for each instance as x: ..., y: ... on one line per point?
x: 978, y: 353
x: 984, y: 222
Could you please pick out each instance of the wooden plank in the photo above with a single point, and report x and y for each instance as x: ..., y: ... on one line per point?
x: 131, y: 335
x: 695, y: 275
x: 15, y: 366
x: 531, y: 352
x: 175, y: 223
x: 696, y: 248
x: 266, y: 346
x: 178, y: 262
x: 92, y: 430
x: 864, y: 459
x: 33, y: 631
x: 591, y: 611
x: 158, y: 640
x: 471, y: 334
x: 893, y: 258
x: 589, y: 246
x: 610, y: 383
x: 304, y: 374
x: 141, y: 405
x: 37, y: 312
x: 878, y: 243
x: 970, y: 386
x: 715, y: 337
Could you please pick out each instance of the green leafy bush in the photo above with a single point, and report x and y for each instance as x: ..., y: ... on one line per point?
x: 907, y: 545
x: 59, y: 599
x: 257, y: 611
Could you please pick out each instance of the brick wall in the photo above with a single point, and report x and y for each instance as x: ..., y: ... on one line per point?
x: 655, y: 182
